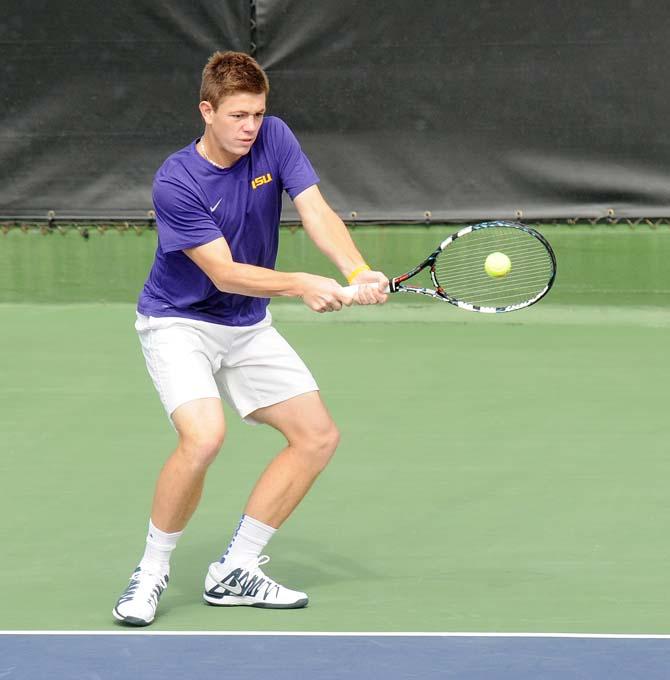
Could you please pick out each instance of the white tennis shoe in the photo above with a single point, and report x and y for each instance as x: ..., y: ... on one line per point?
x: 138, y: 602
x: 230, y: 586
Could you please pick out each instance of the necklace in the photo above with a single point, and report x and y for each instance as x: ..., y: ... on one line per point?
x: 207, y: 158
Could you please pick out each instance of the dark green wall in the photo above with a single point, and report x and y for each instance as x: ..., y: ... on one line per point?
x: 596, y: 264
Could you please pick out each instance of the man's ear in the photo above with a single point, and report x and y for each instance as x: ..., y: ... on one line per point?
x: 206, y: 111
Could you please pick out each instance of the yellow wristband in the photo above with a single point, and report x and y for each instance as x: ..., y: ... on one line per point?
x: 357, y: 271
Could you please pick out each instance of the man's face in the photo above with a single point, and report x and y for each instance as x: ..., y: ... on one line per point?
x: 235, y: 123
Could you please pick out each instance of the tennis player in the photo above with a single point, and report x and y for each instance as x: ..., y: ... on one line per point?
x: 206, y: 333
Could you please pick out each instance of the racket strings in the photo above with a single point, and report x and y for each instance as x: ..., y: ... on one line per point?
x: 459, y: 269
x: 537, y: 272
x: 465, y: 259
x: 519, y: 287
x: 465, y: 269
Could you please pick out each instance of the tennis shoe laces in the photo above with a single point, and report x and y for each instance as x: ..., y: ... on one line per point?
x: 227, y: 585
x: 138, y: 602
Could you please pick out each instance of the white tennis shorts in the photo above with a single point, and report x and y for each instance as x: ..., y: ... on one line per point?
x: 249, y: 366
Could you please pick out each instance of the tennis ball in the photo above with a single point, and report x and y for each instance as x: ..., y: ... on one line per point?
x: 497, y: 265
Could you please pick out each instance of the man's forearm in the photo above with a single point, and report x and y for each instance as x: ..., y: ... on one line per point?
x: 332, y: 238
x: 246, y: 279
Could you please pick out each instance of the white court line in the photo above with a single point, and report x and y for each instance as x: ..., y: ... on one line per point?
x: 251, y: 633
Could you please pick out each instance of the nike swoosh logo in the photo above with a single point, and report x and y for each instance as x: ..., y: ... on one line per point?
x: 215, y: 206
x: 235, y: 589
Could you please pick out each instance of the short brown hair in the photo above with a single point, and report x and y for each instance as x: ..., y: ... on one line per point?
x: 227, y: 73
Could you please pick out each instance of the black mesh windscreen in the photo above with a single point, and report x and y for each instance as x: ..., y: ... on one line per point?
x: 94, y: 95
x: 474, y: 109
x: 467, y: 109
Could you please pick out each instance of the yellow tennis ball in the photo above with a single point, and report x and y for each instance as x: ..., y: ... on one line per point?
x: 497, y: 265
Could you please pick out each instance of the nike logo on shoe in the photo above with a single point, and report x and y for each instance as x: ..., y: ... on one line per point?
x: 215, y: 206
x: 242, y: 583
x: 232, y: 585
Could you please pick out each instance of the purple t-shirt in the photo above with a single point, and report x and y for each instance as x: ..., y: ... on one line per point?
x: 196, y: 202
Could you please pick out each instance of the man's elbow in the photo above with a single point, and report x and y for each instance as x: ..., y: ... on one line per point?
x: 224, y: 277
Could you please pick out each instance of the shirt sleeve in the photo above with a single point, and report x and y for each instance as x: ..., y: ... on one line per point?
x: 181, y: 219
x: 295, y: 170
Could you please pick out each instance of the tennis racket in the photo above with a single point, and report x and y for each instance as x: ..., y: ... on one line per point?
x: 467, y: 269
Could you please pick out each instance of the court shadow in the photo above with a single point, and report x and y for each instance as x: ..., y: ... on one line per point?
x: 300, y: 561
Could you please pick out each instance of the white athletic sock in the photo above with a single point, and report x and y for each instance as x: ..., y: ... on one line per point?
x: 158, y: 549
x: 250, y: 537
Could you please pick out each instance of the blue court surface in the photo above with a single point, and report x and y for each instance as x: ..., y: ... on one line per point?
x: 321, y: 656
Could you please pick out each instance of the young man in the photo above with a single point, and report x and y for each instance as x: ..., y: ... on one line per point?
x: 206, y: 333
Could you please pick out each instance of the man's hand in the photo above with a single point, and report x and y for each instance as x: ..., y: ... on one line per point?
x: 371, y: 295
x: 321, y: 294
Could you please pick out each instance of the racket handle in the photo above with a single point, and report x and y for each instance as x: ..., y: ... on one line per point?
x: 351, y: 291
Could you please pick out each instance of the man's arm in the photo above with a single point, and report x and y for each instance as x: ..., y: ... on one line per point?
x: 332, y: 238
x: 215, y: 259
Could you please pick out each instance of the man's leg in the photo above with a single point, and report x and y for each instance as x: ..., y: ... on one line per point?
x: 201, y: 428
x: 312, y: 438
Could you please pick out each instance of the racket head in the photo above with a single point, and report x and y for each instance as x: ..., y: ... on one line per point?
x: 458, y: 274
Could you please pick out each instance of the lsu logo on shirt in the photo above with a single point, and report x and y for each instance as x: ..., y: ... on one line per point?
x: 259, y: 181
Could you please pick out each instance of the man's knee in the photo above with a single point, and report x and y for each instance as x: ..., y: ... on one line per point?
x: 322, y: 442
x: 202, y: 446
x: 202, y: 429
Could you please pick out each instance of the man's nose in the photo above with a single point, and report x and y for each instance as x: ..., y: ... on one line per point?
x: 250, y: 124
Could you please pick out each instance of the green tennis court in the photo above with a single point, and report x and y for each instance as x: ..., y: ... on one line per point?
x: 503, y: 473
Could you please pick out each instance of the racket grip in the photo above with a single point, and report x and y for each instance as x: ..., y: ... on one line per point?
x: 351, y: 291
